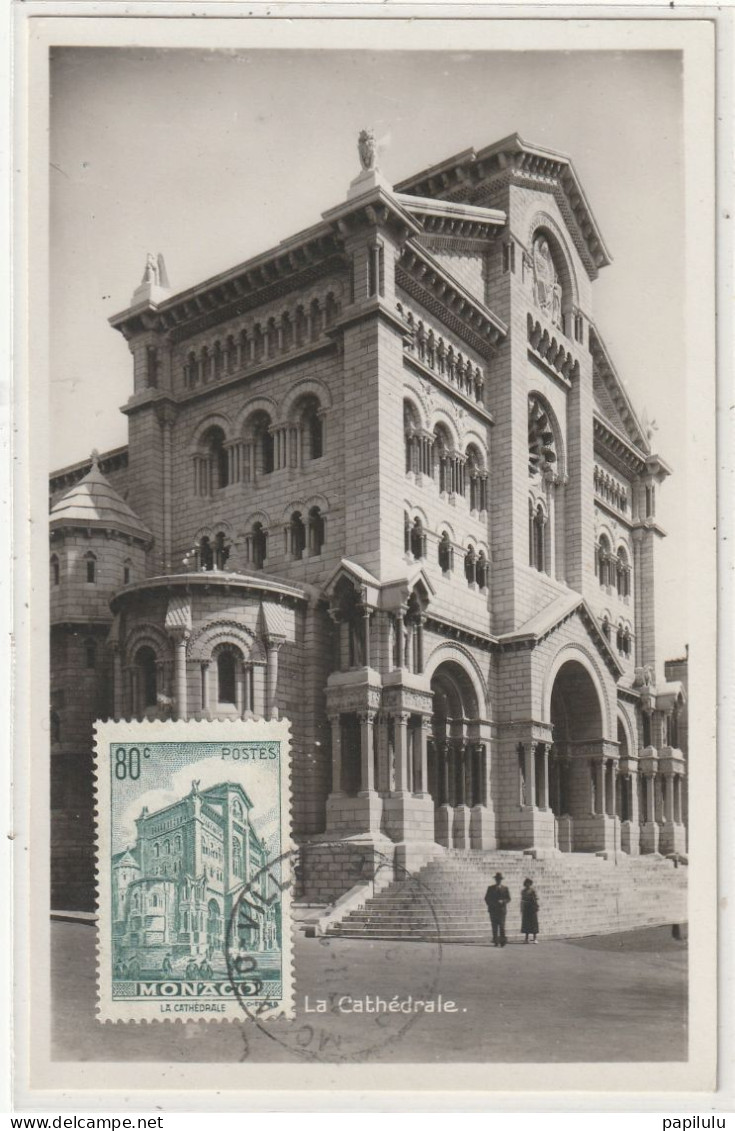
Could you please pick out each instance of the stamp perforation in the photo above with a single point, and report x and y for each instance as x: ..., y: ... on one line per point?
x: 159, y: 958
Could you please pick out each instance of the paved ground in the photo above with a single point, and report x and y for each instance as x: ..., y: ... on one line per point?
x: 609, y: 998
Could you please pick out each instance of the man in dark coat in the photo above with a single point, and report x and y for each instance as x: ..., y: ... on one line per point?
x: 497, y: 898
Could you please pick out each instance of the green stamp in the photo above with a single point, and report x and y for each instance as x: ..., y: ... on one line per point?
x: 193, y: 868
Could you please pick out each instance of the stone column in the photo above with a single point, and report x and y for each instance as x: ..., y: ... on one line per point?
x: 272, y: 678
x: 118, y: 706
x: 401, y: 751
x: 424, y: 735
x: 182, y: 709
x: 668, y: 798
x: 367, y: 763
x: 205, y: 687
x: 336, y: 725
x: 545, y: 773
x: 366, y: 614
x: 530, y: 764
x: 600, y: 780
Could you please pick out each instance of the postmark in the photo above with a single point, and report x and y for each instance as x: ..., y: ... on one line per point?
x: 345, y: 1019
x: 193, y: 823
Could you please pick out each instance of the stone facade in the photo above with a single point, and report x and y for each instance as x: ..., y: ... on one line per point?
x: 386, y: 481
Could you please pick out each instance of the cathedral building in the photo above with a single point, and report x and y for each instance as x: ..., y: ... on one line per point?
x: 384, y: 480
x: 174, y: 889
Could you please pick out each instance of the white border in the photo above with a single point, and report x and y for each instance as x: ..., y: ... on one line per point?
x: 227, y: 732
x: 140, y: 1085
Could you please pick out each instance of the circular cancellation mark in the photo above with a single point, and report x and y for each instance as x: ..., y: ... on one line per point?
x: 338, y: 1017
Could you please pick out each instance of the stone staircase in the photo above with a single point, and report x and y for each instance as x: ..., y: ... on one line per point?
x: 579, y: 894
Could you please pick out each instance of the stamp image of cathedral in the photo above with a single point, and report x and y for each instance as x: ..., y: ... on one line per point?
x: 173, y: 891
x: 385, y: 481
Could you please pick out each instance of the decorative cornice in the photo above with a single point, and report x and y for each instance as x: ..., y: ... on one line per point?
x: 424, y: 279
x: 474, y: 176
x: 189, y: 583
x: 624, y: 456
x: 605, y: 370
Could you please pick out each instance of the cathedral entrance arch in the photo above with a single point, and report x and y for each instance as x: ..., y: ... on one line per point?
x: 457, y: 760
x: 582, y: 762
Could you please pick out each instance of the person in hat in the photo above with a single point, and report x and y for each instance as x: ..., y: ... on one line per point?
x: 529, y: 910
x: 497, y: 898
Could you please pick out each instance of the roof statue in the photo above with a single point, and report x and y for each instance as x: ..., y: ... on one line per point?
x: 368, y: 150
x: 154, y: 286
x: 369, y: 177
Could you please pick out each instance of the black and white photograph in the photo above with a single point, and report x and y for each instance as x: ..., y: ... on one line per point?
x: 370, y: 400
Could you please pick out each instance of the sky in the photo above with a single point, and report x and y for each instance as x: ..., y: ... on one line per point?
x: 212, y: 156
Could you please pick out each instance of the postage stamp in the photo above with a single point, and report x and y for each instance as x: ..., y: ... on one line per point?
x: 193, y: 870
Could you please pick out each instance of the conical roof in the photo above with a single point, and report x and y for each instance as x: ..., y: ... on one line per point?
x: 93, y: 502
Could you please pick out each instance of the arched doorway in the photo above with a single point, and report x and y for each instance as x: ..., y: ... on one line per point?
x: 581, y: 766
x: 457, y: 760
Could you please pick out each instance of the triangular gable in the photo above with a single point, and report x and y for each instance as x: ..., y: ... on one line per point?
x: 611, y: 397
x: 551, y: 618
x: 355, y: 573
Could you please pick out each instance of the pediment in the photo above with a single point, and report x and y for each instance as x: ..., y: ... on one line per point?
x: 550, y: 620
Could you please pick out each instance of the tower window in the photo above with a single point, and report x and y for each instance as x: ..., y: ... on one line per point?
x: 55, y: 570
x: 90, y: 563
x: 145, y: 661
x: 297, y: 532
x: 316, y: 531
x: 259, y: 545
x: 226, y: 667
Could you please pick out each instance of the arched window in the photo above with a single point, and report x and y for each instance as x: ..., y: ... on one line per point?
x: 603, y: 566
x: 448, y: 478
x: 470, y: 560
x: 259, y: 538
x: 297, y: 534
x: 263, y: 443
x: 213, y: 441
x: 191, y: 370
x: 167, y: 847
x: 417, y: 540
x: 90, y: 565
x: 622, y: 573
x: 90, y: 654
x: 177, y: 843
x: 226, y: 668
x: 475, y: 472
x: 312, y: 428
x: 606, y: 628
x: 156, y: 850
x: 626, y: 642
x: 536, y: 536
x: 446, y: 553
x: 206, y: 554
x: 316, y: 531
x: 145, y: 662
x: 127, y: 571
x: 55, y: 570
x: 619, y: 638
x: 221, y: 551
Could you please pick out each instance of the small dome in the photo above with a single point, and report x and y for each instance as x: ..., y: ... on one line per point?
x: 94, y: 502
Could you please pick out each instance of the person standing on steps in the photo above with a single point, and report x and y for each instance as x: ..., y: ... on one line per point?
x: 529, y: 910
x: 497, y: 898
